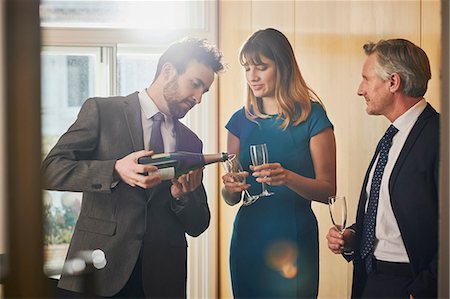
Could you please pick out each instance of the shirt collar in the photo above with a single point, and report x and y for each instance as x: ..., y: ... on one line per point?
x: 408, y: 118
x: 148, y: 107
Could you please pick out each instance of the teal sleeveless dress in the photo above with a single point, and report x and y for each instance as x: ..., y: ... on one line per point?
x: 274, y: 249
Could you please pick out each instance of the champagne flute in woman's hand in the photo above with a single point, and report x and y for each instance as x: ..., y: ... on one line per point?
x: 233, y: 167
x: 260, y: 155
x: 338, y: 212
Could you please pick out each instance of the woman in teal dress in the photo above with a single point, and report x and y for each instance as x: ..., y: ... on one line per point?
x: 274, y: 248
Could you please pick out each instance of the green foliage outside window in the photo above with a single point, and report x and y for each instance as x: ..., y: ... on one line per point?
x: 60, y: 221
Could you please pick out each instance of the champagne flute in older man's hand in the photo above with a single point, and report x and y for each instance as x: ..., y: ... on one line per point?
x: 337, y: 205
x: 259, y: 156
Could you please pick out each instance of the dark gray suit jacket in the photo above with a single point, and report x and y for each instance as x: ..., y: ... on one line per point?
x: 413, y: 188
x: 122, y: 220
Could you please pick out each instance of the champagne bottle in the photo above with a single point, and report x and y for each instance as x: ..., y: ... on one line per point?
x: 175, y: 164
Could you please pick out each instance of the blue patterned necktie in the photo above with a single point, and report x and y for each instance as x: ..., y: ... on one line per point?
x: 156, y: 143
x: 368, y: 233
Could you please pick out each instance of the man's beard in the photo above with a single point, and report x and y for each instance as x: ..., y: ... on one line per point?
x: 177, y: 107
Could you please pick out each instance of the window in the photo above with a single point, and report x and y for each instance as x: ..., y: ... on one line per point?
x: 111, y: 47
x: 69, y: 76
x: 135, y: 69
x: 153, y: 15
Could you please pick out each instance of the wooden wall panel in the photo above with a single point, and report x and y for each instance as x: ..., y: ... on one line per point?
x: 234, y: 28
x: 430, y: 41
x: 23, y: 189
x: 275, y: 14
x: 327, y: 37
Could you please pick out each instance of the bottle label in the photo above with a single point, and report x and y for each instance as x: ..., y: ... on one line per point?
x: 161, y: 155
x: 167, y: 173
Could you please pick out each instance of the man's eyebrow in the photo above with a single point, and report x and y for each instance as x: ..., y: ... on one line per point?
x: 200, y: 81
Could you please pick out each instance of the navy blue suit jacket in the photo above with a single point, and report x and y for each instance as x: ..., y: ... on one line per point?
x: 413, y: 188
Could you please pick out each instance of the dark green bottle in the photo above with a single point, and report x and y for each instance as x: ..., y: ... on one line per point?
x: 175, y: 164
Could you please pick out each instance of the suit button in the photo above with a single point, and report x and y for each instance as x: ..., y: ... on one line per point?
x: 97, y: 186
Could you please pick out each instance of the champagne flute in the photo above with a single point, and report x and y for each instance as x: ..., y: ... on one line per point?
x: 337, y: 205
x: 260, y: 155
x: 233, y: 167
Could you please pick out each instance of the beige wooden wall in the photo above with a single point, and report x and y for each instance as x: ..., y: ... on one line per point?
x: 327, y: 37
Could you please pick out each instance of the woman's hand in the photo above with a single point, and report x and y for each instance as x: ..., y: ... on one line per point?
x: 233, y: 187
x: 233, y: 182
x: 271, y: 173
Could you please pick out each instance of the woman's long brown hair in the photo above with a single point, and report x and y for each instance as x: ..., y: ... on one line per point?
x: 291, y: 91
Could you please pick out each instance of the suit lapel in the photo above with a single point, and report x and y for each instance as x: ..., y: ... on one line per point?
x: 414, y: 134
x: 410, y: 141
x: 186, y: 140
x: 133, y: 118
x: 179, y: 136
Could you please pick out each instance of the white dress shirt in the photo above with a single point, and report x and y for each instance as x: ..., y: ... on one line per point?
x: 148, y: 109
x: 389, y: 244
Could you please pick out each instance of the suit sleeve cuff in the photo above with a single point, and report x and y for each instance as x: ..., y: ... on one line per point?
x: 178, y: 204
